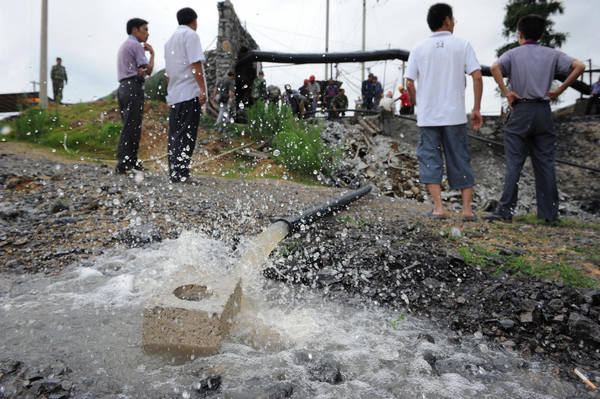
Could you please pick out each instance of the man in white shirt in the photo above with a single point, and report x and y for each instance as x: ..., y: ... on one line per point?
x: 186, y: 92
x: 439, y: 65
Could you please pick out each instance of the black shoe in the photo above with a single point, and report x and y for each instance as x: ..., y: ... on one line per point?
x: 555, y: 222
x: 493, y: 217
x: 138, y: 166
x: 119, y: 171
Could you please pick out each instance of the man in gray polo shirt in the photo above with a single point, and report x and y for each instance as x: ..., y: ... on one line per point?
x: 132, y: 67
x: 529, y: 129
x: 439, y: 64
x: 186, y: 92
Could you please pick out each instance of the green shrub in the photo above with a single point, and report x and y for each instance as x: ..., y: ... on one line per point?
x: 35, y: 123
x: 155, y: 87
x: 301, y: 149
x: 95, y: 138
x: 296, y: 144
x: 264, y: 122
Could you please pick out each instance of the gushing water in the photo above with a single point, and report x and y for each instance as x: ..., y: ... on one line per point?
x: 287, y: 340
x: 255, y: 254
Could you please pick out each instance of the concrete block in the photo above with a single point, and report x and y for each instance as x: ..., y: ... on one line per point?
x: 191, y: 318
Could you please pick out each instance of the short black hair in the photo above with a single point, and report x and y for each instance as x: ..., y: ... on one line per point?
x: 186, y: 16
x: 230, y: 73
x: 532, y: 26
x: 135, y: 23
x: 58, y: 59
x: 261, y: 73
x: 437, y: 14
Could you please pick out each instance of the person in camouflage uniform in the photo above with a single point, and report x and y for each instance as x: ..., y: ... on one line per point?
x: 58, y: 75
x: 259, y: 88
x: 339, y: 105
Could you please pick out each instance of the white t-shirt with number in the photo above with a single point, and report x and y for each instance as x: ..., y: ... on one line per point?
x: 182, y: 50
x: 438, y: 66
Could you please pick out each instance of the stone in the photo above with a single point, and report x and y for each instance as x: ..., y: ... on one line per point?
x: 556, y: 304
x: 455, y: 232
x: 584, y: 328
x: 136, y: 236
x: 426, y: 337
x: 191, y: 319
x: 325, y: 371
x: 209, y: 384
x: 507, y: 324
x: 58, y: 206
x: 280, y: 390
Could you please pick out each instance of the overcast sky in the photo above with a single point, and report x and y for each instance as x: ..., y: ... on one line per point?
x: 87, y: 34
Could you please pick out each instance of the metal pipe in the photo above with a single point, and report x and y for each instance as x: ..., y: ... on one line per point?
x: 323, y: 209
x: 361, y: 56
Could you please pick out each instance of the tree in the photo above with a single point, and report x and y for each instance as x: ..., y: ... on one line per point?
x: 515, y: 9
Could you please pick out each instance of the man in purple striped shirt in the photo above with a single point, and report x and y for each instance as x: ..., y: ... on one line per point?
x: 132, y: 68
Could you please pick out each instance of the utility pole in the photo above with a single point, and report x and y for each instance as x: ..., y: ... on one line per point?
x: 403, y: 69
x: 364, y: 22
x: 326, y: 34
x: 44, y: 56
x: 385, y: 68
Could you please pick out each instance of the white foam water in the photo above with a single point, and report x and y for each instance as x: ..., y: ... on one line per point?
x: 90, y: 316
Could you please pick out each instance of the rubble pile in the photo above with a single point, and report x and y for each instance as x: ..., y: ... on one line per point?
x: 373, y: 159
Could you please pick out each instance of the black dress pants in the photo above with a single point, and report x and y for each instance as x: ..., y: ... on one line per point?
x: 131, y: 105
x: 183, y: 130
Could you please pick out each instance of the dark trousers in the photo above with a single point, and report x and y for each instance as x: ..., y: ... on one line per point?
x: 131, y: 105
x: 530, y: 131
x: 594, y: 100
x: 183, y: 130
x: 387, y: 118
x: 407, y: 110
x: 57, y: 88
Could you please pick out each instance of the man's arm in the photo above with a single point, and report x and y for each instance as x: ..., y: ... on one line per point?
x: 509, y: 94
x: 412, y: 92
x: 476, y: 119
x: 147, y: 69
x: 198, y: 73
x: 577, y: 68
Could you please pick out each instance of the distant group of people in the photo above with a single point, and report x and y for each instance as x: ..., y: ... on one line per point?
x: 371, y: 92
x: 438, y: 64
x: 304, y: 101
x: 186, y: 92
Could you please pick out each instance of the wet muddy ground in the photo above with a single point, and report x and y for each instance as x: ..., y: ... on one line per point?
x: 54, y: 213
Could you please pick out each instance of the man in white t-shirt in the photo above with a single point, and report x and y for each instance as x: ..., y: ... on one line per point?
x: 439, y: 64
x: 186, y: 92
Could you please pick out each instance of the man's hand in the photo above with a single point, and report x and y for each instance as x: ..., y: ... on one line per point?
x: 476, y: 119
x: 553, y: 94
x: 148, y: 48
x: 511, y: 96
x: 202, y: 97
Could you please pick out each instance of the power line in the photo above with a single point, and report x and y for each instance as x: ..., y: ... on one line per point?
x: 320, y: 38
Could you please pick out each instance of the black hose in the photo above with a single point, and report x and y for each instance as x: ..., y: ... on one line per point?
x: 323, y: 209
x: 360, y: 56
x: 562, y: 161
